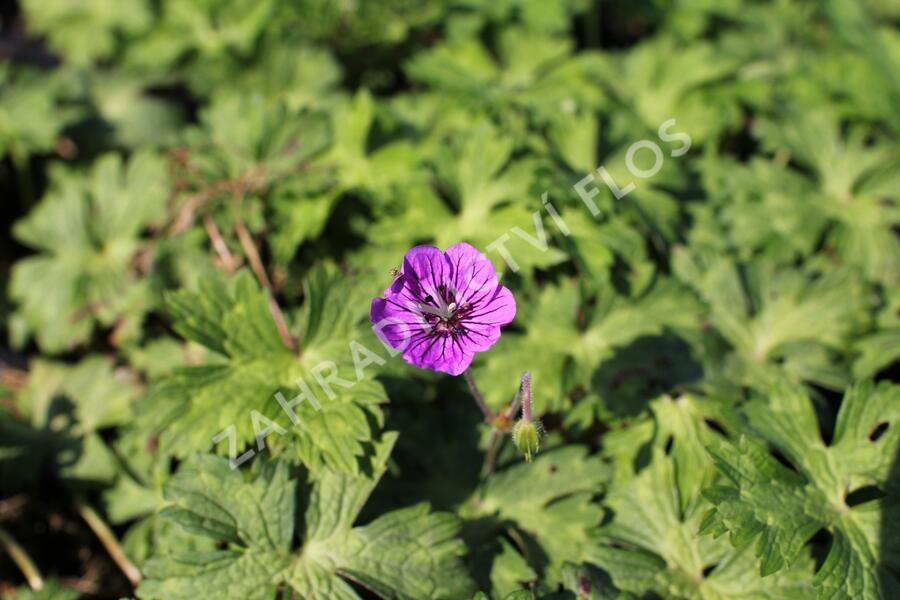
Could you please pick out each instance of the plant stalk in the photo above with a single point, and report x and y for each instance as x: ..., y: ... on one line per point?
x: 489, y: 415
x: 109, y: 541
x: 260, y: 271
x: 490, y: 458
x: 229, y: 263
x: 22, y: 560
x: 525, y: 395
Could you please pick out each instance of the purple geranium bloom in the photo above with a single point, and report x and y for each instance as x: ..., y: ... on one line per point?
x: 443, y: 308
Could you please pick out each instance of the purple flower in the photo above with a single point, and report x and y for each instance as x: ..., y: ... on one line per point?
x: 443, y: 308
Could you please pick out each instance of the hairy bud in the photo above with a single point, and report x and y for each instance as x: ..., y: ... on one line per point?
x: 526, y: 436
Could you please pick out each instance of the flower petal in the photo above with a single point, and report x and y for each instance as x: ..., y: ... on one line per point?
x: 425, y: 270
x: 473, y: 274
x: 439, y: 353
x: 443, y: 308
x: 479, y: 338
x: 394, y: 323
x: 499, y: 309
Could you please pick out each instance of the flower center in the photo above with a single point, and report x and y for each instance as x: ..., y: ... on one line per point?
x: 449, y: 320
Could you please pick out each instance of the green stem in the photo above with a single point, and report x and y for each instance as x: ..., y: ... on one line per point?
x: 109, y: 541
x: 490, y: 457
x: 525, y: 394
x: 259, y: 269
x: 22, y: 560
x: 489, y: 415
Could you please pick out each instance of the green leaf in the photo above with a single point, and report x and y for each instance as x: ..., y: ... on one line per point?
x: 662, y: 79
x: 534, y: 73
x: 616, y: 322
x: 781, y: 509
x: 855, y: 178
x: 53, y: 590
x: 31, y: 117
x: 651, y: 543
x: 258, y: 139
x: 195, y: 408
x: 63, y: 408
x: 357, y: 163
x: 489, y: 205
x: 548, y: 501
x: 780, y: 322
x: 877, y: 351
x: 87, y: 31
x: 88, y: 231
x: 409, y: 553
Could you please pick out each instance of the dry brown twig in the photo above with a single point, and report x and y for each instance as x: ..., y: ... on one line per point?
x: 259, y: 270
x: 109, y: 541
x: 228, y: 261
x: 186, y: 214
x: 20, y: 557
x: 252, y: 180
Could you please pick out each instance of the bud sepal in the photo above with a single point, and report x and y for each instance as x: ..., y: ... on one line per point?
x: 526, y: 436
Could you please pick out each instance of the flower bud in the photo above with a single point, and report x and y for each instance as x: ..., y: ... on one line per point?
x: 527, y: 437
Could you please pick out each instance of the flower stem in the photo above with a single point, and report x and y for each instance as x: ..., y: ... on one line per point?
x: 490, y: 457
x: 109, y: 541
x: 525, y: 395
x: 22, y: 560
x: 489, y: 415
x: 524, y: 392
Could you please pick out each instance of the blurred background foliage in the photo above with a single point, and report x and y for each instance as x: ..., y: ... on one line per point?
x: 712, y: 353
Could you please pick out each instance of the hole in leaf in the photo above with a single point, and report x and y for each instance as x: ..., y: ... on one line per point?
x: 608, y: 517
x: 715, y: 426
x: 642, y: 458
x: 863, y: 494
x: 879, y: 430
x: 820, y: 544
x: 553, y: 469
x: 709, y: 569
x: 783, y: 460
x: 361, y: 590
x: 669, y: 442
x: 827, y: 403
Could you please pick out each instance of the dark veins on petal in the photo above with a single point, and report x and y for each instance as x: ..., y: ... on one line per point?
x: 442, y: 312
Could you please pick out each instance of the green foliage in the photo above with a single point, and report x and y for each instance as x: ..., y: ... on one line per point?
x: 88, y: 231
x: 249, y: 364
x: 30, y: 120
x: 87, y: 31
x: 62, y: 411
x: 652, y: 543
x: 203, y: 197
x: 784, y: 507
x: 407, y: 553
